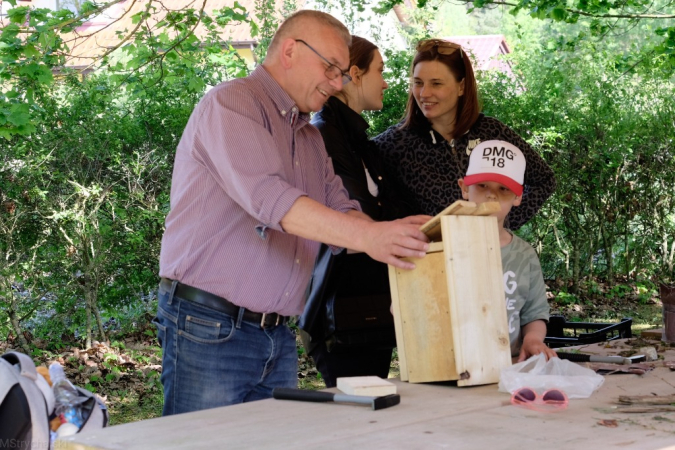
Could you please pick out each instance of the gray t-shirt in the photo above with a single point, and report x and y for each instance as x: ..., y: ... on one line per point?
x: 524, y: 287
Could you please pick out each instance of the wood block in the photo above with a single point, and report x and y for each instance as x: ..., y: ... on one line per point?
x: 475, y: 288
x: 485, y: 209
x: 422, y: 320
x: 656, y: 333
x: 433, y: 226
x: 372, y: 386
x: 459, y: 208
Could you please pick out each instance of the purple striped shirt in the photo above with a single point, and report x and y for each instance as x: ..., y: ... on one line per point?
x: 245, y: 157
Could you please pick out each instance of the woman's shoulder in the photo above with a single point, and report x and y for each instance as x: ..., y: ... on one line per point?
x: 488, y: 124
x: 487, y: 127
x: 395, y: 135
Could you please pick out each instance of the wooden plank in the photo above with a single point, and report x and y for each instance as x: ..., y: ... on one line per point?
x: 398, y: 324
x: 422, y: 321
x: 476, y: 298
x: 656, y: 333
x: 429, y: 416
x: 486, y: 209
x: 368, y: 385
x: 433, y: 226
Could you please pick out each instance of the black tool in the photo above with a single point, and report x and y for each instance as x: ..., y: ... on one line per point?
x: 581, y: 357
x: 316, y: 396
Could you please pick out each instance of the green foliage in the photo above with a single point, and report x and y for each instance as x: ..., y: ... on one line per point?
x: 566, y: 298
x: 85, y: 166
x: 604, y: 132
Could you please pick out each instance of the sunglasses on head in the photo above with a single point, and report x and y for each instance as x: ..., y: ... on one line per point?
x: 551, y: 400
x: 442, y: 47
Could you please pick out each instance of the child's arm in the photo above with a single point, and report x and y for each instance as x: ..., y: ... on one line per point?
x: 533, y: 341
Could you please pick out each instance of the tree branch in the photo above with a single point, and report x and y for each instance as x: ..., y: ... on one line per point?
x: 588, y: 14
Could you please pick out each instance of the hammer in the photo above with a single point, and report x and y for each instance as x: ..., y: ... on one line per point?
x: 581, y: 357
x: 315, y: 396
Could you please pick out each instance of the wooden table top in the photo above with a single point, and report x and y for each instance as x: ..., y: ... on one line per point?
x: 435, y: 415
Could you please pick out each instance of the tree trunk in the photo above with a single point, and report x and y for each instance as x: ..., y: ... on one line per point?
x: 88, y: 306
x: 16, y: 326
x: 607, y: 244
x: 576, y: 267
x: 99, y: 322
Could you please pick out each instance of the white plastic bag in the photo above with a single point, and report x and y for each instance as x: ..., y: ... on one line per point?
x: 556, y: 373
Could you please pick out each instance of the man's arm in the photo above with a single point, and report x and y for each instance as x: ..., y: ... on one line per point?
x: 383, y: 241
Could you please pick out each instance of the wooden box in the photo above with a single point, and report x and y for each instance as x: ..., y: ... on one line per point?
x: 450, y: 311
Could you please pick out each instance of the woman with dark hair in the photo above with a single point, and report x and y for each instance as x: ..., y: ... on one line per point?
x: 346, y: 326
x: 429, y: 150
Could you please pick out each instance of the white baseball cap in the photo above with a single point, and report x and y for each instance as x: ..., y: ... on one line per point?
x: 498, y: 161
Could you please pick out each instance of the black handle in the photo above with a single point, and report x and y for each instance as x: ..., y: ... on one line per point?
x: 302, y: 395
x: 576, y: 357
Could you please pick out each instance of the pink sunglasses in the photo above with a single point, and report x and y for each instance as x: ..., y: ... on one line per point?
x: 549, y: 401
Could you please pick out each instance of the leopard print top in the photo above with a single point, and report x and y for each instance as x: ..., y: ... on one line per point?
x: 425, y: 167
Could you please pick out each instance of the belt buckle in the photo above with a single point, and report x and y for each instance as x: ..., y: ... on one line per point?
x: 264, y: 316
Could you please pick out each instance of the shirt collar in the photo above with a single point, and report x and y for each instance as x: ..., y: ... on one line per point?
x: 283, y: 102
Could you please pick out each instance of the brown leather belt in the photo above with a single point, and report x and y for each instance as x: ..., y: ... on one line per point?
x: 212, y: 301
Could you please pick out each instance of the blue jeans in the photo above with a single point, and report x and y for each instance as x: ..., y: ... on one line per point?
x: 213, y: 359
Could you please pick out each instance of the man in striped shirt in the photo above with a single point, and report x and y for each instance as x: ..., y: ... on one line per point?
x: 252, y: 196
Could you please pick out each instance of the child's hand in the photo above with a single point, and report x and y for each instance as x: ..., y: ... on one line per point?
x: 533, y: 341
x: 535, y: 346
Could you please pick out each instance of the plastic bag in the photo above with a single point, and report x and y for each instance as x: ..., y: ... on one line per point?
x: 537, y: 373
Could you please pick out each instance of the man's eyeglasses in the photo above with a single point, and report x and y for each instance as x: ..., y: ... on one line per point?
x: 441, y: 46
x: 332, y: 71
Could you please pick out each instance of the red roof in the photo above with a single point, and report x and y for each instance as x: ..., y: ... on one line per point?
x: 485, y: 50
x: 99, y: 35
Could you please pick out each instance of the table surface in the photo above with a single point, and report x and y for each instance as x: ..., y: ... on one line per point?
x: 431, y: 415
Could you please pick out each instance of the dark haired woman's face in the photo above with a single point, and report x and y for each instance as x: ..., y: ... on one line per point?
x: 436, y: 91
x: 373, y: 84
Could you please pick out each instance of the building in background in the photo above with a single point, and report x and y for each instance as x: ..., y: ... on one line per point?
x: 485, y: 51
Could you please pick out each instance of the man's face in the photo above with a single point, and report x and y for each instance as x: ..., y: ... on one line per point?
x: 312, y: 86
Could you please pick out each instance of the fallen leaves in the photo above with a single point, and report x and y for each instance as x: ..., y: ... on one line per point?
x: 609, y: 423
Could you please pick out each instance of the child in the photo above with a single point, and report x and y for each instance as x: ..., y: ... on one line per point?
x: 495, y: 174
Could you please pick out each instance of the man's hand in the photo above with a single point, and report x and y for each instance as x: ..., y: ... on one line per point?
x: 384, y: 241
x: 388, y: 241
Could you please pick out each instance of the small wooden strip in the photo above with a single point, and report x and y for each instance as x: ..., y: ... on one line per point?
x: 645, y: 409
x: 652, y: 334
x: 460, y: 208
x: 647, y: 399
x: 485, y: 209
x: 435, y: 222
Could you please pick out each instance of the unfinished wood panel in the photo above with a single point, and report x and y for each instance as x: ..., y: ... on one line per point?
x: 422, y: 320
x: 472, y: 258
x: 396, y: 311
x: 432, y: 228
x: 367, y: 385
x: 429, y: 416
x: 398, y: 324
x: 485, y: 209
